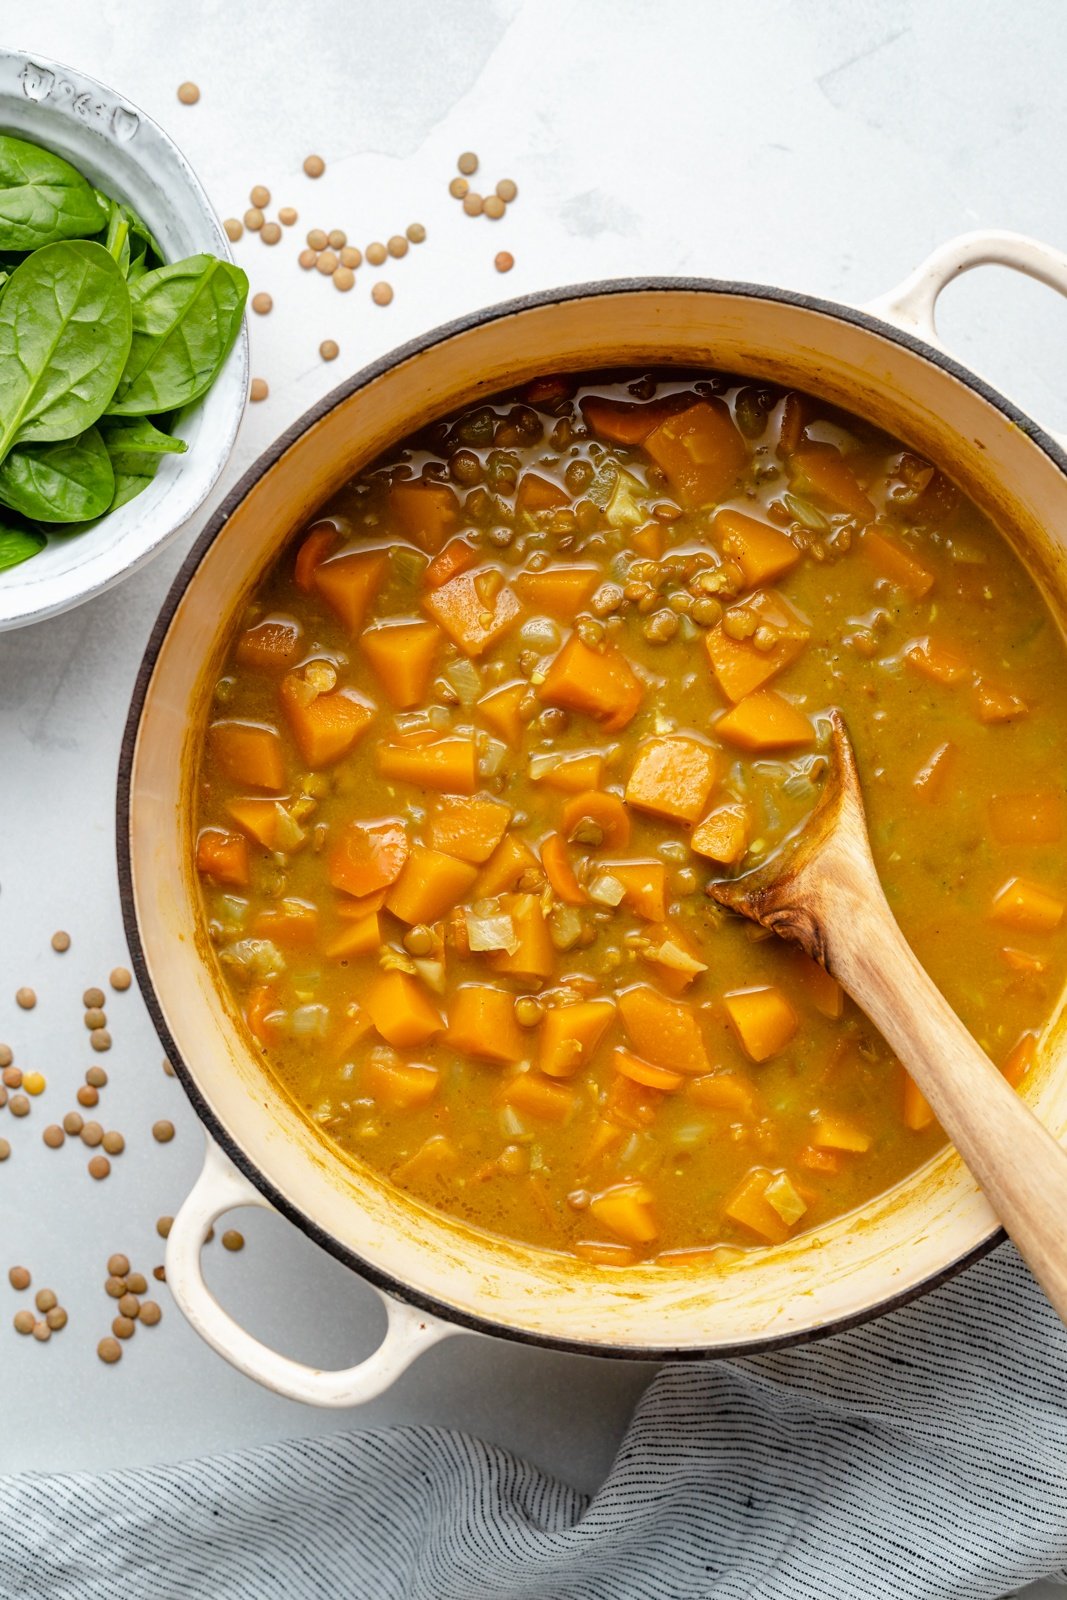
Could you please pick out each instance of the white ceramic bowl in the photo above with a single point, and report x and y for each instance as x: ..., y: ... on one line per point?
x: 128, y: 155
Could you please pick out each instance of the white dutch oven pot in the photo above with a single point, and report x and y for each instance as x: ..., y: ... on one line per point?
x: 437, y: 1276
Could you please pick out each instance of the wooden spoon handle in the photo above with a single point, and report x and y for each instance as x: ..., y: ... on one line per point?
x: 1020, y: 1167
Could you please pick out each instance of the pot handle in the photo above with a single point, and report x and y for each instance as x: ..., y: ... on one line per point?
x: 220, y: 1188
x: 912, y: 304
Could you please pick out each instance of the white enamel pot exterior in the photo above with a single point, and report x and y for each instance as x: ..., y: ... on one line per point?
x: 438, y: 1276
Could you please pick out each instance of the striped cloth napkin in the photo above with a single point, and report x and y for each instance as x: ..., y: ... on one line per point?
x: 922, y: 1456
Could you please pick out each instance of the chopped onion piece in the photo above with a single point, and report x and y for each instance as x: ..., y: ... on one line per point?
x: 491, y: 761
x: 432, y: 974
x: 672, y: 955
x: 781, y: 1194
x: 542, y: 764
x: 465, y: 678
x: 310, y: 1022
x: 496, y: 932
x: 256, y: 958
x: 606, y: 890
x: 565, y: 927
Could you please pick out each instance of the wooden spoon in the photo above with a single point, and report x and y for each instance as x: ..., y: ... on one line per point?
x: 822, y: 890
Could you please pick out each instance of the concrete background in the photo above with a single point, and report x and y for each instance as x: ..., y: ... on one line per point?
x: 820, y: 146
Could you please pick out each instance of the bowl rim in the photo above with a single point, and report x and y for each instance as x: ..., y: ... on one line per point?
x: 380, y: 1279
x: 193, y: 468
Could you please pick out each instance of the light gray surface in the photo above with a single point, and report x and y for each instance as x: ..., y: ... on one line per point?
x: 821, y: 146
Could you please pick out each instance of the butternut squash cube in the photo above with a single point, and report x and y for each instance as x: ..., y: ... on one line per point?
x: 560, y: 591
x: 1027, y: 906
x: 748, y: 1205
x: 470, y: 829
x: 626, y: 1209
x: 402, y: 655
x: 672, y: 777
x: 569, y: 1036
x: 429, y: 885
x: 248, y: 752
x: 326, y: 728
x: 763, y: 1020
x: 530, y: 1093
x: 349, y: 584
x: 1034, y: 816
x: 666, y: 1031
x: 475, y: 609
x: 598, y: 683
x: 481, y: 1022
x: 839, y: 1133
x: 400, y: 1009
x: 762, y: 551
x: 222, y: 856
x: 701, y: 451
x: 448, y: 765
x: 427, y: 511
x: 723, y: 834
x: 739, y: 665
x: 764, y: 721
x: 400, y: 1085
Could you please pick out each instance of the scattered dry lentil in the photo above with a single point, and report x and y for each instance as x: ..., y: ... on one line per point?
x: 100, y: 1039
x: 458, y: 188
x: 160, y: 1274
x: 381, y: 294
x: 96, y: 1077
x: 95, y: 1017
x: 337, y: 238
x: 503, y: 261
x: 317, y: 239
x: 99, y: 1167
x: 473, y: 204
x: 167, y: 1068
x: 19, y: 1105
x: 270, y: 233
x: 136, y: 1282
x: 253, y: 219
x: 45, y: 1299
x: 259, y: 196
x: 258, y: 389
x: 130, y: 1306
x: 287, y: 215
x: 150, y: 1313
x: 234, y: 229
x: 123, y: 1327
x: 3, y: 1097
x: 54, y: 1136
x: 109, y: 1351
x: 507, y: 190
x: 91, y: 1135
x: 23, y: 1321
x: 329, y: 350
x: 5, y: 1149
x: 351, y: 256
x: 163, y: 1226
x: 93, y: 998
x: 73, y: 1123
x: 415, y: 232
x: 57, y: 1318
x: 87, y: 1096
x: 232, y: 1240
x: 26, y: 998
x: 12, y: 1077
x: 118, y: 1264
x: 467, y: 163
x: 188, y: 93
x: 262, y: 303
x: 314, y: 166
x: 115, y: 1286
x: 19, y: 1278
x: 34, y: 1083
x: 343, y: 278
x: 397, y: 246
x: 42, y: 1332
x: 163, y: 1131
x: 120, y: 978
x: 114, y: 1143
x: 327, y: 262
x: 61, y: 941
x: 6, y: 1055
x: 307, y: 259
x: 376, y: 253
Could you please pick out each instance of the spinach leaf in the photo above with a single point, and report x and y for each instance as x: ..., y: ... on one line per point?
x: 185, y: 319
x: 65, y: 327
x: 128, y: 485
x: 70, y: 480
x: 135, y: 445
x: 18, y: 544
x: 43, y: 198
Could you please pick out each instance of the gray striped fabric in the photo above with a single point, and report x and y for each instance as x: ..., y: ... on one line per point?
x: 923, y: 1456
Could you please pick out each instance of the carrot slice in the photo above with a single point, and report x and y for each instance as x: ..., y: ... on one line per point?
x: 322, y: 540
x: 645, y: 1072
x: 560, y: 873
x: 249, y: 752
x: 597, y: 683
x: 596, y: 819
x: 672, y: 777
x: 403, y: 655
x: 349, y: 584
x: 367, y: 857
x: 222, y: 856
x: 262, y: 1014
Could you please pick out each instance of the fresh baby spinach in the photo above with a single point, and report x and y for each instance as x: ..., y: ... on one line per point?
x: 68, y: 480
x: 185, y: 320
x: 18, y: 544
x: 43, y: 198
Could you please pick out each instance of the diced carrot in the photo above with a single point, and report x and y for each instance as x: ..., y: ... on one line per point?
x: 748, y: 1204
x: 470, y: 829
x: 673, y: 956
x: 400, y: 1085
x: 457, y: 556
x: 936, y: 661
x: 449, y: 765
x: 352, y: 1029
x: 511, y: 858
x: 321, y: 542
x: 536, y: 954
x: 266, y: 821
x: 269, y: 646
x: 665, y: 1031
x: 1036, y: 816
x: 630, y: 1104
x: 824, y: 992
x: 326, y: 728
x: 536, y: 494
x: 290, y: 923
x: 723, y: 834
x: 672, y: 777
x: 569, y: 1035
x: 474, y: 608
x: 222, y: 856
x: 432, y: 1162
x: 1027, y: 906
x: 430, y: 883
x: 481, y: 1022
x: 997, y: 705
x: 894, y: 561
x: 249, y: 752
x: 403, y: 655
x: 763, y: 1020
x: 791, y: 426
x: 724, y: 1091
x: 559, y: 591
x: 650, y: 541
x: 1023, y: 961
x: 598, y: 683
x: 428, y: 512
x: 400, y: 1009
x: 838, y: 1133
x: 539, y: 1097
x: 739, y: 665
x: 500, y: 709
x: 819, y: 1160
x: 349, y: 584
x: 368, y: 856
x: 596, y: 811
x: 262, y: 1014
x: 355, y: 939
x: 605, y: 1253
x: 627, y: 421
x: 574, y: 774
x: 645, y: 1072
x: 762, y: 552
x: 701, y: 451
x: 1020, y: 1059
x: 933, y: 776
x: 645, y: 885
x: 764, y: 721
x: 626, y: 1209
x: 559, y: 872
x: 821, y: 470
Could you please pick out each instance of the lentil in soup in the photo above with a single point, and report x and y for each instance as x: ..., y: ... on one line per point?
x: 497, y: 716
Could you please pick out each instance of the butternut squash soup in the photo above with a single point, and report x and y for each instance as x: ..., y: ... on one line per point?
x: 499, y: 714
